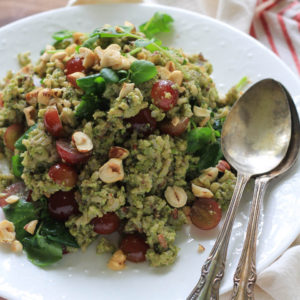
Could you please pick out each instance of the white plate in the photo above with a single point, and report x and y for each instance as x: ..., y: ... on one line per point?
x: 84, y: 276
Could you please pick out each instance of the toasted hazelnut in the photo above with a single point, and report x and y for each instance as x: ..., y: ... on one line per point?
x: 118, y: 152
x: 129, y: 24
x: 211, y: 173
x: 32, y: 97
x: 112, y: 171
x: 170, y: 66
x: 16, y: 246
x: 201, y: 192
x: 126, y: 89
x: 201, y: 112
x: 7, y: 232
x: 89, y: 57
x: 223, y: 165
x: 30, y: 227
x: 117, y: 261
x: 82, y: 142
x: 175, y: 121
x: 142, y: 55
x: 176, y: 196
x: 12, y: 199
x: 44, y: 96
x: 71, y: 49
x: 29, y: 113
x: 78, y: 37
x: 163, y: 72
x: 177, y: 77
x: 201, y: 248
x: 60, y: 55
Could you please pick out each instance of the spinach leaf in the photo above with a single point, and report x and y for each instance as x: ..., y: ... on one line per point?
x: 93, y: 84
x: 158, y: 23
x: 109, y: 75
x: 141, y: 71
x: 16, y: 165
x: 150, y: 44
x: 57, y: 232
x: 62, y: 35
x: 211, y: 156
x: 20, y: 213
x: 42, y: 252
x: 89, y: 43
x: 114, y: 31
x: 198, y: 139
x: 19, y: 143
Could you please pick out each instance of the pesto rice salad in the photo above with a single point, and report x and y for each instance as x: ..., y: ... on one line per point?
x: 111, y: 134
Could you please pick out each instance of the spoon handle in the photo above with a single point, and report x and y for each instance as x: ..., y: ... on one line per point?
x: 245, y: 274
x: 213, y: 269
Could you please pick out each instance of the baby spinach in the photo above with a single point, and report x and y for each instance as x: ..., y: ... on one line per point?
x: 20, y: 213
x: 41, y: 251
x: 109, y: 75
x: 92, y: 84
x: 19, y: 143
x: 16, y: 164
x: 62, y: 35
x: 198, y: 139
x: 57, y: 232
x: 141, y: 71
x: 114, y: 31
x: 90, y: 42
x: 158, y: 23
x: 211, y: 156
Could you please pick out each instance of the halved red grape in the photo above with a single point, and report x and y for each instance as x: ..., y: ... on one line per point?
x: 61, y: 205
x: 107, y: 224
x: 63, y: 174
x: 206, y: 213
x: 70, y: 154
x: 12, y: 134
x: 135, y: 247
x: 18, y: 189
x: 52, y: 122
x: 143, y: 122
x: 74, y: 65
x: 164, y: 95
x: 174, y: 130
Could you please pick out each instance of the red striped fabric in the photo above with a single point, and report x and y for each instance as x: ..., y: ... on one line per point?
x: 277, y: 25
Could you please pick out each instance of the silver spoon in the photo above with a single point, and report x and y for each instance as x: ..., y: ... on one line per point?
x: 255, y: 139
x: 245, y: 274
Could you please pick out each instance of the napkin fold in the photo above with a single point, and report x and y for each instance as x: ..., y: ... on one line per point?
x: 276, y: 24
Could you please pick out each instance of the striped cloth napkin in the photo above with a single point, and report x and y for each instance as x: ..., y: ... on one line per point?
x: 276, y: 24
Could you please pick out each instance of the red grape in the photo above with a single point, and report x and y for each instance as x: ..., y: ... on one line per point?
x: 63, y: 174
x: 143, y: 122
x: 164, y: 95
x: 206, y: 213
x: 62, y: 205
x: 70, y: 154
x: 52, y: 122
x: 107, y: 224
x: 74, y: 65
x: 174, y: 130
x: 135, y: 247
x: 12, y: 134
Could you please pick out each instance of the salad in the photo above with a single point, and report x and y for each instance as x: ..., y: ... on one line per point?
x: 111, y: 133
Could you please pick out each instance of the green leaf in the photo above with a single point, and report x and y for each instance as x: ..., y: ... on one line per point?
x: 93, y: 84
x: 62, y: 35
x: 57, y: 232
x: 111, y: 32
x: 158, y: 23
x: 141, y: 71
x: 41, y: 251
x: 211, y: 156
x: 17, y: 167
x: 198, y: 139
x: 20, y: 213
x: 151, y: 45
x: 19, y: 143
x: 109, y: 75
x: 90, y: 42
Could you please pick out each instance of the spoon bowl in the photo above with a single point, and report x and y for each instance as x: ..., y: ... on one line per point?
x: 256, y: 133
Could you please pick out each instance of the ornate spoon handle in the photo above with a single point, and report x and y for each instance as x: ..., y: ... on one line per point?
x: 245, y: 274
x: 213, y: 269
